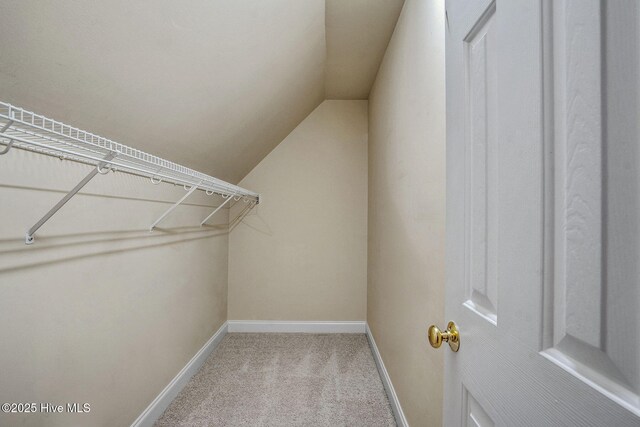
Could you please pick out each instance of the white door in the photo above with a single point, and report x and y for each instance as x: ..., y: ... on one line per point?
x: 543, y: 213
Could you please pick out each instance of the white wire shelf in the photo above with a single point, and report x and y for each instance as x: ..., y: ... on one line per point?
x: 38, y: 133
x: 23, y: 129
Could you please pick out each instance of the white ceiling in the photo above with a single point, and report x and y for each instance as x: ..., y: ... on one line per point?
x: 212, y: 84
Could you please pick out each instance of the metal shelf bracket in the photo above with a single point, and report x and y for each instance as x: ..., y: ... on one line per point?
x: 10, y: 143
x: 29, y: 238
x: 216, y: 210
x: 175, y: 205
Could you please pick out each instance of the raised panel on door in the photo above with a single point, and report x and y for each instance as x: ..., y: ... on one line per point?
x: 543, y: 202
x: 474, y: 413
x: 480, y: 68
x: 596, y: 294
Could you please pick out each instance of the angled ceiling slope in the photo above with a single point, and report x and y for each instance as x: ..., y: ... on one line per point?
x: 358, y: 32
x: 212, y: 84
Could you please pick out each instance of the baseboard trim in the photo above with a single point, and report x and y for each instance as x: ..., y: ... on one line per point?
x: 285, y: 326
x: 155, y: 409
x: 401, y: 420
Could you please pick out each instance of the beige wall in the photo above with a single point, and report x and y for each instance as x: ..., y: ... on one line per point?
x: 99, y: 310
x: 302, y: 253
x: 407, y: 208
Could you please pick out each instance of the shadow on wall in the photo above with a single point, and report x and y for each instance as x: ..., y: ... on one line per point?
x: 96, y: 288
x: 48, y: 247
x: 252, y: 219
x: 94, y: 211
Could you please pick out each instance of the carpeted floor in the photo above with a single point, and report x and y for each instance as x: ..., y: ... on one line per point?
x: 284, y: 380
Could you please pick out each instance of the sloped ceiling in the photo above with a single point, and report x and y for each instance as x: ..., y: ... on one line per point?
x: 358, y: 32
x: 211, y: 84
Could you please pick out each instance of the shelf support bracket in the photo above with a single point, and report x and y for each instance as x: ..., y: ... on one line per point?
x: 241, y: 215
x: 29, y: 238
x: 6, y: 126
x: 175, y: 205
x: 217, y: 209
x: 10, y: 143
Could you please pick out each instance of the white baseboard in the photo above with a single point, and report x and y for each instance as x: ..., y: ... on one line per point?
x: 401, y: 420
x: 261, y: 326
x: 155, y: 409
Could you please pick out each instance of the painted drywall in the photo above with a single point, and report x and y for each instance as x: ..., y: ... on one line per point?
x: 98, y: 310
x: 357, y: 33
x: 407, y: 208
x: 301, y: 254
x: 214, y: 85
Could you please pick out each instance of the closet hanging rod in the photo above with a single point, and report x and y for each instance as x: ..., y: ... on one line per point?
x: 29, y: 131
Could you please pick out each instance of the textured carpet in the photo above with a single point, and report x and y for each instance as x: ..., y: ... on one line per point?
x: 284, y: 380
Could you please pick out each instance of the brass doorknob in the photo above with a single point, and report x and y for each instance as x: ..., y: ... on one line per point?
x: 451, y: 335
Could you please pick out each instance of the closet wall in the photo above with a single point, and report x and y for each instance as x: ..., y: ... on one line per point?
x: 101, y: 311
x: 407, y: 208
x: 98, y: 310
x: 302, y: 254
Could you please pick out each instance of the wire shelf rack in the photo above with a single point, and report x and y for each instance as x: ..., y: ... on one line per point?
x: 24, y: 129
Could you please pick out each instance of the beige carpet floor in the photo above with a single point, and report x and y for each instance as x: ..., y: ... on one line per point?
x: 284, y: 380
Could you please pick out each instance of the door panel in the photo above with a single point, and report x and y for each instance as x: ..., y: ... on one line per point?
x: 475, y: 415
x: 543, y: 225
x: 595, y: 284
x: 480, y: 70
